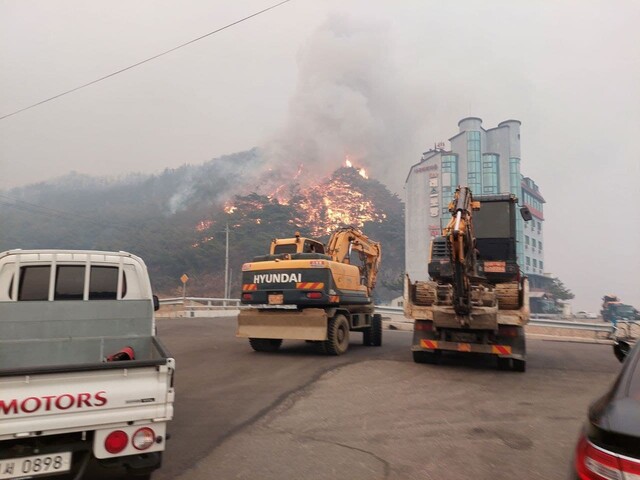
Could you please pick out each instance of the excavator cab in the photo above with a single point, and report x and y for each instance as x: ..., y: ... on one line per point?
x: 495, y: 231
x: 297, y: 244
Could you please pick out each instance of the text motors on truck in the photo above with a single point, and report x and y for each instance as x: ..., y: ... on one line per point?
x: 83, y: 377
x: 304, y: 290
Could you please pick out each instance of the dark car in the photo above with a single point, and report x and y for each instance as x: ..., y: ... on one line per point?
x: 609, y: 447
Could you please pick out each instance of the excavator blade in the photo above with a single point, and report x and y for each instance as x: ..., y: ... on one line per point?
x: 307, y: 324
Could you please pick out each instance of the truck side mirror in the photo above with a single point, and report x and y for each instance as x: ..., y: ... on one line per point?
x: 156, y: 303
x: 526, y: 213
x: 621, y: 350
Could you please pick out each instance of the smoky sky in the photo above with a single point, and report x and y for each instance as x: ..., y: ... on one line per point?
x: 350, y: 102
x: 312, y: 82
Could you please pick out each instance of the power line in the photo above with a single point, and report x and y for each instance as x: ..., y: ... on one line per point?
x: 145, y: 61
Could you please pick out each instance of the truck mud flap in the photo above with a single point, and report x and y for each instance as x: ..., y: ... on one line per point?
x: 308, y: 324
x: 505, y: 351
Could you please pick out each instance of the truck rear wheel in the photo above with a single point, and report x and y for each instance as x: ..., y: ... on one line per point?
x: 427, y: 357
x: 337, y: 341
x: 504, y: 363
x: 265, y: 344
x: 519, y: 365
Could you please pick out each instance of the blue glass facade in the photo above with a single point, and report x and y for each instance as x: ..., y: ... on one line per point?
x: 490, y: 174
x: 449, y: 180
x: 515, y: 186
x: 474, y: 162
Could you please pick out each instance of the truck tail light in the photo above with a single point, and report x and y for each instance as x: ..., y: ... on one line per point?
x: 247, y: 296
x: 424, y: 326
x: 314, y: 295
x: 593, y: 463
x: 143, y: 438
x: 116, y: 441
x: 507, y: 331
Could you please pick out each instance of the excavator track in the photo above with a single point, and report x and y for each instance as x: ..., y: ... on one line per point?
x: 508, y: 295
x: 425, y: 293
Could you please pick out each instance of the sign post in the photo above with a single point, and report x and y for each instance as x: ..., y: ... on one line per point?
x: 184, y: 279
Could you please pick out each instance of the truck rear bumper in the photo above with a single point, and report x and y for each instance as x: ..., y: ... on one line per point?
x: 307, y: 324
x: 508, y: 342
x: 505, y: 351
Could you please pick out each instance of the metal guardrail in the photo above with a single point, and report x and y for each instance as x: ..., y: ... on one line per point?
x: 595, y: 327
x: 210, y: 303
x: 192, y: 304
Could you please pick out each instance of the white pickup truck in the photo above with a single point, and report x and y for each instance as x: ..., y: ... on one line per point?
x: 83, y: 379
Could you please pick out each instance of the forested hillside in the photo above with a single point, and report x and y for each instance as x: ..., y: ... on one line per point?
x: 176, y: 220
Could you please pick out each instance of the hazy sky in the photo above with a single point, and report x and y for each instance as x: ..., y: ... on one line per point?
x: 381, y: 80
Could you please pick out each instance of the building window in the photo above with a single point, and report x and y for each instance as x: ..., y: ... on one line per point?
x: 533, y: 242
x: 515, y: 178
x: 449, y: 179
x: 541, y: 267
x: 539, y: 245
x: 526, y: 240
x: 474, y: 167
x: 535, y: 263
x: 490, y: 174
x: 528, y: 260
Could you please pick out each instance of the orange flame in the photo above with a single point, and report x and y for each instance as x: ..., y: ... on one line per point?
x: 204, y: 225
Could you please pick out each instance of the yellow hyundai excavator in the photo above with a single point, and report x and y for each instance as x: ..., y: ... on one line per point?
x: 303, y: 290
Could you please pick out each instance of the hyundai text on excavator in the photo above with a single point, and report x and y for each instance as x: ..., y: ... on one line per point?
x: 304, y: 291
x: 477, y: 299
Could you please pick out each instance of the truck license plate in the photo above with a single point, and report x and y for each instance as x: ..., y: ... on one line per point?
x: 35, y: 465
x: 276, y: 299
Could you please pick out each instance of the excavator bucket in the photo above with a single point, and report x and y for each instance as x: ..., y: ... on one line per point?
x: 307, y: 324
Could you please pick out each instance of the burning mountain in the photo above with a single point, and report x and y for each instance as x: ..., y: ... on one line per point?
x: 347, y: 197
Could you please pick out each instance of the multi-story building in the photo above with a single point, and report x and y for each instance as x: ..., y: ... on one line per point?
x: 488, y: 162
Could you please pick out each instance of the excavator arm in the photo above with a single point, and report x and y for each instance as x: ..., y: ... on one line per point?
x: 459, y: 232
x: 347, y: 239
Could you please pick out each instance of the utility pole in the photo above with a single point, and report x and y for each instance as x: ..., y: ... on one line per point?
x: 226, y: 267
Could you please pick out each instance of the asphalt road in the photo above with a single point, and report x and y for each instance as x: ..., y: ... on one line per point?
x: 372, y: 413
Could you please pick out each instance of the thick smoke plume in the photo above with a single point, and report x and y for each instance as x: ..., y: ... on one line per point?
x: 350, y: 101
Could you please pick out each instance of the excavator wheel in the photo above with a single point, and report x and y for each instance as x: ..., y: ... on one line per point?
x: 372, y: 336
x: 337, y: 341
x: 376, y: 330
x: 265, y: 344
x: 425, y: 293
x: 508, y: 296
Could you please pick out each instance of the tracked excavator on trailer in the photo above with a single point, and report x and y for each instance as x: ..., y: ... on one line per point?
x: 304, y: 290
x: 477, y: 298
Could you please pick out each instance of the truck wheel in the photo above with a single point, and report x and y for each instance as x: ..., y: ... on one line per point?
x: 265, y: 344
x: 376, y: 330
x: 519, y: 365
x: 337, y: 341
x: 427, y: 357
x: 366, y: 336
x: 504, y: 363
